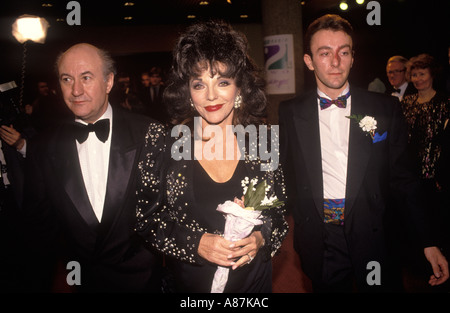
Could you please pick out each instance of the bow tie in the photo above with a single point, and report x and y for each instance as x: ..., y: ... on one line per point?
x: 397, y: 90
x: 340, y: 102
x: 101, y: 129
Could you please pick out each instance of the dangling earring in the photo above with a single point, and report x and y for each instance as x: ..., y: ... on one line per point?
x: 237, y: 102
x: 192, y: 103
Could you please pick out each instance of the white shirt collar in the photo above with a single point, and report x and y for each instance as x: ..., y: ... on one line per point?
x: 403, y: 87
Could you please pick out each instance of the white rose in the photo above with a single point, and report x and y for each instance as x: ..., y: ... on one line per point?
x: 368, y: 123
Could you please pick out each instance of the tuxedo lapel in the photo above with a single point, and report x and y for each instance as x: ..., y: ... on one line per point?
x: 67, y: 165
x: 359, y: 150
x: 121, y: 165
x: 306, y: 123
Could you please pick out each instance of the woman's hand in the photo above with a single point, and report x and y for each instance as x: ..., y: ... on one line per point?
x: 215, y: 249
x: 218, y: 250
x: 246, y: 249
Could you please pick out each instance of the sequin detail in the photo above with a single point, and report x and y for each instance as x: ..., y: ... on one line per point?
x: 168, y: 226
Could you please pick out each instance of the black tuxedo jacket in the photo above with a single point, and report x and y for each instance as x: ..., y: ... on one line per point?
x: 377, y: 172
x: 59, y: 214
x: 410, y: 89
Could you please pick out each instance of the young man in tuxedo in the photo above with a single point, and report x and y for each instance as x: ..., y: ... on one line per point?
x: 342, y: 175
x: 80, y: 199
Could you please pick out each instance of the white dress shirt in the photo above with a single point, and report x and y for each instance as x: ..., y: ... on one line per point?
x: 400, y: 94
x: 94, y: 161
x: 334, y: 134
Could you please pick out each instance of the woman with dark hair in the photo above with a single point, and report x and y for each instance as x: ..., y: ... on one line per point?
x: 213, y: 90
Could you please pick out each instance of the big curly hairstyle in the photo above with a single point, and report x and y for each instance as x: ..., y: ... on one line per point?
x: 202, y: 47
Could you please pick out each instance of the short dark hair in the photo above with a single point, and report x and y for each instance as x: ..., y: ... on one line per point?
x: 329, y: 21
x: 203, y: 46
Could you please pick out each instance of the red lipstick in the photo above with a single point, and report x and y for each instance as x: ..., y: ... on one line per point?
x: 212, y: 108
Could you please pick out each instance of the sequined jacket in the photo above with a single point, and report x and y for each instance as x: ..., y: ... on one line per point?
x: 171, y: 229
x: 425, y: 124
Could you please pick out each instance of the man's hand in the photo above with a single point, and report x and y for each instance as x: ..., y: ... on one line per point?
x: 12, y: 137
x: 439, y: 264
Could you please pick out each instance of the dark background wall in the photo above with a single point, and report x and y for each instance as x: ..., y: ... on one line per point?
x: 407, y: 28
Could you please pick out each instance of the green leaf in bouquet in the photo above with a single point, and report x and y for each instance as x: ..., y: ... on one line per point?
x: 255, y: 195
x: 260, y: 193
x: 248, y: 195
x: 274, y: 204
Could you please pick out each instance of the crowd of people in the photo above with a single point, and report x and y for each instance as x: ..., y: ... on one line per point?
x: 97, y: 182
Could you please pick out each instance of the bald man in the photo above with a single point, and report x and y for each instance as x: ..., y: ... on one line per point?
x: 80, y: 192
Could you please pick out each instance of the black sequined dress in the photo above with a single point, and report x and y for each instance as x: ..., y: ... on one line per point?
x: 189, y: 211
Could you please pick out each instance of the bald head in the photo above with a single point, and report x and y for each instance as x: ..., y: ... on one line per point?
x: 105, y: 59
x: 86, y: 78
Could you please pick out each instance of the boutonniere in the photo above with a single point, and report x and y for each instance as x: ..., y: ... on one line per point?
x: 369, y: 124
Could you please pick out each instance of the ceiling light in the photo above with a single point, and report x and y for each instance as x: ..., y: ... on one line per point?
x: 204, y: 3
x: 47, y: 5
x: 244, y: 16
x: 128, y: 4
x: 128, y: 18
x: 360, y: 1
x: 343, y: 6
x: 191, y: 16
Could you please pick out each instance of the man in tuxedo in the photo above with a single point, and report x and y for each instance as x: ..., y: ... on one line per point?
x: 81, y: 189
x: 151, y: 94
x: 396, y: 73
x: 341, y: 175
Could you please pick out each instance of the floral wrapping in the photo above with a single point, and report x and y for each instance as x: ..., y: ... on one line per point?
x: 239, y: 223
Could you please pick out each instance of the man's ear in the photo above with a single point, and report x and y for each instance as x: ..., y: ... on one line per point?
x: 308, y: 61
x: 109, y: 82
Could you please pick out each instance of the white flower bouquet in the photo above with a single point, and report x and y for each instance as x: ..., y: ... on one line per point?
x: 241, y: 216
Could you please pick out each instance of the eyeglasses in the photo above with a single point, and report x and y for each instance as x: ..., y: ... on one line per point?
x: 396, y: 71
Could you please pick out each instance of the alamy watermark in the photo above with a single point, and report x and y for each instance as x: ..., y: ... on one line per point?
x: 74, y: 276
x: 374, y: 16
x: 258, y: 143
x: 373, y: 278
x: 74, y: 16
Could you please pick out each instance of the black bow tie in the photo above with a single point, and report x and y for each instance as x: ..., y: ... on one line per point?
x: 397, y: 90
x: 101, y: 129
